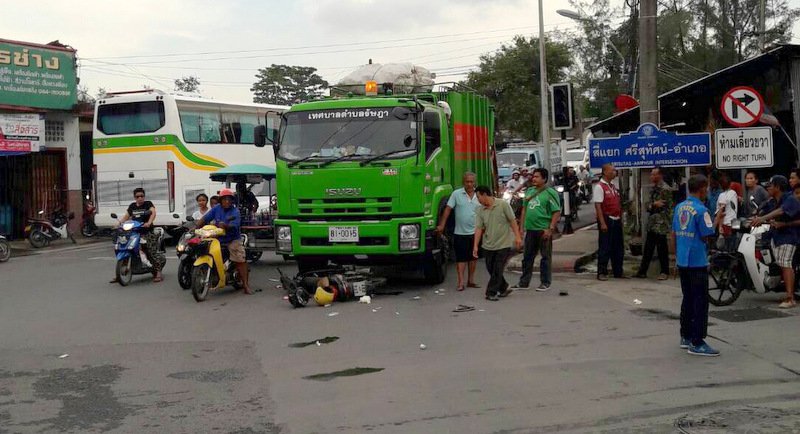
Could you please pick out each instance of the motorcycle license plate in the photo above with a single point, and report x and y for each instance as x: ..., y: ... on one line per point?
x: 343, y: 234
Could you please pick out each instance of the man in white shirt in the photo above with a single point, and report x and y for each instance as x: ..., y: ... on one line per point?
x: 728, y: 203
x: 514, y: 182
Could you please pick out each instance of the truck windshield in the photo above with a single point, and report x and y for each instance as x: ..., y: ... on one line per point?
x: 360, y: 133
x: 512, y: 159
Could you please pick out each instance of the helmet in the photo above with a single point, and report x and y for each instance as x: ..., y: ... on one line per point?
x: 226, y: 192
x: 323, y: 297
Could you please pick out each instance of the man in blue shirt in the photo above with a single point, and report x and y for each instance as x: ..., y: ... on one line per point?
x: 691, y: 225
x: 784, y: 233
x: 226, y: 216
x: 464, y: 202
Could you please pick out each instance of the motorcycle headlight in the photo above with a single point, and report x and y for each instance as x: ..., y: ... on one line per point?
x: 181, y: 247
x: 284, y: 238
x: 127, y: 226
x: 507, y: 195
x: 580, y: 183
x: 409, y: 237
x: 560, y: 188
x: 521, y: 195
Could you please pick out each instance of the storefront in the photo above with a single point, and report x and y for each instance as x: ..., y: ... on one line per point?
x: 40, y: 165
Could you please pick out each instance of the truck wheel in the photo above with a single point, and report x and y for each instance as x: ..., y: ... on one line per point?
x: 306, y: 265
x: 434, y: 266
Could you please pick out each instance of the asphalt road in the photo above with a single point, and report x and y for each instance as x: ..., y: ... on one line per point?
x: 80, y: 355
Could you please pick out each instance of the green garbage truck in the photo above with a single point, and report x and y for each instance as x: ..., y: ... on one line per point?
x: 363, y: 179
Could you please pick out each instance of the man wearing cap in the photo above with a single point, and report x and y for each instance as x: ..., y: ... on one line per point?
x: 227, y: 217
x: 514, y: 183
x: 691, y: 226
x: 784, y: 235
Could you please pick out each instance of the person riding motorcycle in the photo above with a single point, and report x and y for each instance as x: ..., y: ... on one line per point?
x: 226, y: 216
x: 514, y: 182
x: 145, y: 212
x: 572, y: 185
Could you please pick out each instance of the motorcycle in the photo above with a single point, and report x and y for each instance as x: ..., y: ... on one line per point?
x: 186, y: 250
x: 88, y: 228
x: 515, y: 200
x: 5, y: 249
x: 41, y: 232
x: 212, y: 269
x: 584, y: 192
x: 131, y: 259
x: 751, y: 267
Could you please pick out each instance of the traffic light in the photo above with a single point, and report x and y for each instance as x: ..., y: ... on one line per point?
x: 561, y: 106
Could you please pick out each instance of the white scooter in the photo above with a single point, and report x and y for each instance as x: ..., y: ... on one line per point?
x: 751, y: 267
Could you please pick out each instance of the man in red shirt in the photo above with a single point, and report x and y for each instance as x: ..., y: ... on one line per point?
x: 608, y: 207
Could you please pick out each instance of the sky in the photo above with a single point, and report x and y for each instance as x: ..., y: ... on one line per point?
x: 125, y: 45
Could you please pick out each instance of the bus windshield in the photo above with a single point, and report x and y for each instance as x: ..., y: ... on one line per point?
x: 341, y: 132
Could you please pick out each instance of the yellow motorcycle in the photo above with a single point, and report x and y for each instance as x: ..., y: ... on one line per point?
x: 212, y: 269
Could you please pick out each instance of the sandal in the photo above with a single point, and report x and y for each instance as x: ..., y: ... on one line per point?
x: 460, y: 288
x: 787, y: 304
x: 473, y: 285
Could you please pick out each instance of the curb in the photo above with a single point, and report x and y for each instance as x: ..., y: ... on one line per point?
x: 30, y: 251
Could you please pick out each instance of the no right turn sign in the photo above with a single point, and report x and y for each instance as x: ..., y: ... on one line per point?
x: 742, y: 106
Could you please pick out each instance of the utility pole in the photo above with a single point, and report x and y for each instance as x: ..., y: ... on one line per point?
x: 545, y: 123
x: 648, y: 92
x: 762, y: 27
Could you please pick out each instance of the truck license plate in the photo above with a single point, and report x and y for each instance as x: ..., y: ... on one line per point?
x: 343, y: 234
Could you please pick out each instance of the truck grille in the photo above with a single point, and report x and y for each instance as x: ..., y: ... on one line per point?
x: 347, y: 207
x: 363, y: 241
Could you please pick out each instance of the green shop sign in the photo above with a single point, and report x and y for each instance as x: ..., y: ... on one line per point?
x: 36, y: 76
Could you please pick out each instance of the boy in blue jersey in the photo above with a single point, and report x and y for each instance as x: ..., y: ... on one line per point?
x: 691, y: 225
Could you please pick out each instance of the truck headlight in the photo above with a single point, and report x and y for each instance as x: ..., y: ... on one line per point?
x: 285, y: 238
x: 409, y: 237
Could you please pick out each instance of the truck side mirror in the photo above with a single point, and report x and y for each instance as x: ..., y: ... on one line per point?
x: 260, y: 135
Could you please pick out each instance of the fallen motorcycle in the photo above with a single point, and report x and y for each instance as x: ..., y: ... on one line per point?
x: 329, y: 285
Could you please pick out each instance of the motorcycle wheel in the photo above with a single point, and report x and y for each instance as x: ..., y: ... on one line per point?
x: 201, y: 282
x: 5, y: 250
x: 124, y: 272
x: 253, y: 255
x: 37, y: 239
x: 725, y: 283
x: 185, y: 274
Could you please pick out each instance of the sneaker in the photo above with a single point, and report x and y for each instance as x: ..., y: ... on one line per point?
x: 517, y: 287
x: 662, y: 276
x: 703, y: 350
x: 543, y: 288
x: 492, y: 297
x: 505, y: 293
x: 602, y: 277
x: 787, y: 304
x: 685, y: 343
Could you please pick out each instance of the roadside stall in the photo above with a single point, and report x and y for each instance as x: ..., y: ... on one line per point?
x: 255, y: 194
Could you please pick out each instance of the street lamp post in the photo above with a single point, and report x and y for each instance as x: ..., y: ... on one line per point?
x: 545, y: 124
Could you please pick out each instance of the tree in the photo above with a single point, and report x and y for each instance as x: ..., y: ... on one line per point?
x: 286, y: 85
x: 83, y: 95
x: 190, y: 84
x: 510, y: 77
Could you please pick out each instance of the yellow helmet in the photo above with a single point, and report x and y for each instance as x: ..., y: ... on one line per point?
x: 323, y: 297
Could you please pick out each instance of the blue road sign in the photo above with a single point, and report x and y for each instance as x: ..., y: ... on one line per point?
x: 649, y: 147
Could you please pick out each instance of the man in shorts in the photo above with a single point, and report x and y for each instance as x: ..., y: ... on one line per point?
x: 464, y: 201
x: 227, y: 216
x: 784, y: 235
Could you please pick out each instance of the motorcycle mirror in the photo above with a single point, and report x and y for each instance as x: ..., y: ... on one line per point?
x: 114, y: 215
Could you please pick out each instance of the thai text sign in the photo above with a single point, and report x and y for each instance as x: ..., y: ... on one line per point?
x: 21, y: 132
x: 743, y: 148
x: 34, y: 76
x: 650, y: 147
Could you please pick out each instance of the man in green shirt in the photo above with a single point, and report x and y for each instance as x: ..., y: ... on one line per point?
x: 540, y: 215
x: 496, y: 225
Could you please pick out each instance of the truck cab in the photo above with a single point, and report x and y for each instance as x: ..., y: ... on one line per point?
x: 364, y: 179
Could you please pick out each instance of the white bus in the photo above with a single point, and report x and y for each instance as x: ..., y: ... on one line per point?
x: 168, y: 144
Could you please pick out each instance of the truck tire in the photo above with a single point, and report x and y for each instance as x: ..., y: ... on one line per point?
x: 305, y: 265
x: 434, y: 265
